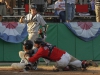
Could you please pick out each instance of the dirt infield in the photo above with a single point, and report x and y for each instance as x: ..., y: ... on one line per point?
x: 47, y: 70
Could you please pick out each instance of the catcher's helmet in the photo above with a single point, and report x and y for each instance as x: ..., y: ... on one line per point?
x: 28, y: 44
x: 38, y: 41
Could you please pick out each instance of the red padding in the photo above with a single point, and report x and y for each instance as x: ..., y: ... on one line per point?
x: 81, y: 8
x: 26, y: 8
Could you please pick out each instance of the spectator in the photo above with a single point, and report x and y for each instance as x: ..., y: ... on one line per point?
x: 2, y: 8
x: 10, y: 5
x: 60, y: 9
x: 92, y: 7
x: 70, y: 10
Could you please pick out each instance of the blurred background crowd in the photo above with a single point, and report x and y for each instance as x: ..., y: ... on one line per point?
x: 46, y: 7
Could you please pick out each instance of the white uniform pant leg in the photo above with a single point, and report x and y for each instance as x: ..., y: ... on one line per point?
x: 76, y: 63
x: 64, y: 61
x: 21, y: 55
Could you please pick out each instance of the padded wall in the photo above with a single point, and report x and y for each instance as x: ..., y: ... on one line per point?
x: 58, y: 34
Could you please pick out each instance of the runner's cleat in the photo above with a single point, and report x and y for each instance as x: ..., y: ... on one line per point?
x: 84, y: 65
x: 88, y: 63
x: 92, y: 63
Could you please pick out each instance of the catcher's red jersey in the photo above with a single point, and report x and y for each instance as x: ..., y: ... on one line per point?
x: 44, y: 51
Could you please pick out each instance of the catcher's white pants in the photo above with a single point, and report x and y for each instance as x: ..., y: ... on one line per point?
x: 65, y: 60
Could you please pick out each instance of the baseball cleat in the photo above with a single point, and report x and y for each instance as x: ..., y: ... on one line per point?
x: 92, y: 63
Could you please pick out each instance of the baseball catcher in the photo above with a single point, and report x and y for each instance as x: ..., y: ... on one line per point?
x: 63, y: 59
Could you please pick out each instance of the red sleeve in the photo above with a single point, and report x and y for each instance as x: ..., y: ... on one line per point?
x: 36, y: 56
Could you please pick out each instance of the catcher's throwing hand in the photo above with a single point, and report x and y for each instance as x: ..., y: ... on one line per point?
x: 26, y: 56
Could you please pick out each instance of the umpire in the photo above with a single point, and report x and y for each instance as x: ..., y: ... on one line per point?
x: 34, y: 20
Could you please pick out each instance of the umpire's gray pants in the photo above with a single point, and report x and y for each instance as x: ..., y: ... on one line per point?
x: 32, y: 36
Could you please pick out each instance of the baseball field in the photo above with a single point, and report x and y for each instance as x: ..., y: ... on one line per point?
x: 48, y: 70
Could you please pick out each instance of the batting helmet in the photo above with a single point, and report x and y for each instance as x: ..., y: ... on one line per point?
x: 28, y: 44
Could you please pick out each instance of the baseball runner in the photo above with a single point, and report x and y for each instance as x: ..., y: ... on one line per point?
x: 24, y: 64
x: 52, y: 53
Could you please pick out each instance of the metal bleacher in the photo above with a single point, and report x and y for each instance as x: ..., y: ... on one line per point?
x: 48, y: 15
x: 15, y: 17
